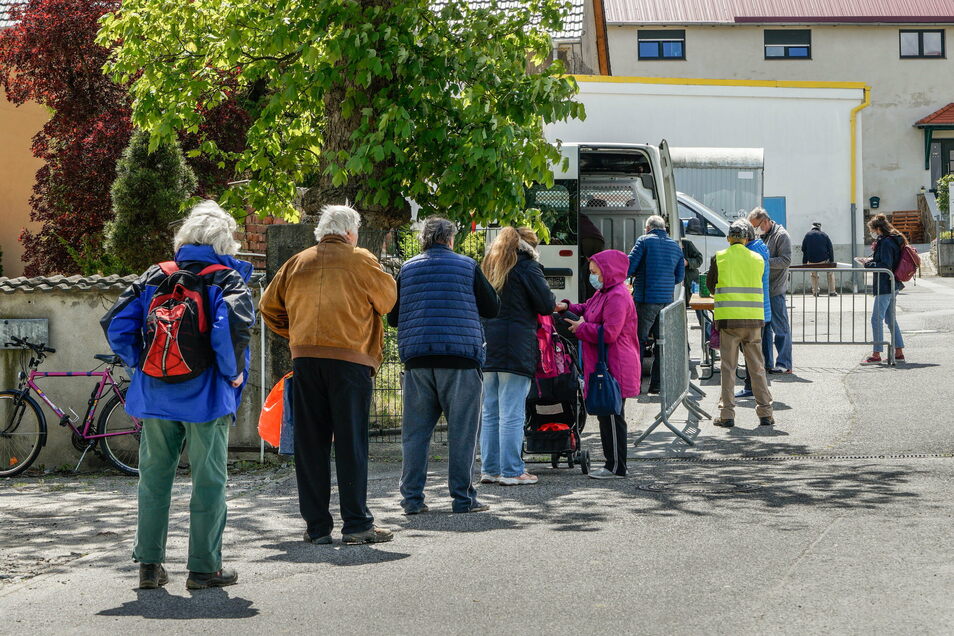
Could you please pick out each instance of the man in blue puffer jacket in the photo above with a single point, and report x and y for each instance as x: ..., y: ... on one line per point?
x: 197, y: 411
x: 759, y: 247
x: 657, y: 264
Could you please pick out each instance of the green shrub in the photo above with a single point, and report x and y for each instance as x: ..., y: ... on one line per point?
x: 943, y: 204
x: 149, y: 195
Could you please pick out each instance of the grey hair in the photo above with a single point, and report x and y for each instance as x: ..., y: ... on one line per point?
x: 655, y: 222
x: 337, y: 219
x: 208, y: 224
x: 758, y: 214
x: 437, y: 231
x: 741, y: 229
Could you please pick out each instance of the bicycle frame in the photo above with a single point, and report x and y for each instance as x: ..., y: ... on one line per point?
x: 105, y: 380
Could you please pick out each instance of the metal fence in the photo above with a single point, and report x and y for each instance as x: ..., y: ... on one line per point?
x: 675, y: 388
x: 834, y: 306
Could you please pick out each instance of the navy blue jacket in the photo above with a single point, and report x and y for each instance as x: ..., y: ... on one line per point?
x: 817, y: 248
x: 441, y: 298
x: 887, y: 254
x: 229, y: 302
x: 658, y: 264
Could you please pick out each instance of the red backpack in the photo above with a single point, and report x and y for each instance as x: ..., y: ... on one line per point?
x: 178, y: 345
x: 908, y: 264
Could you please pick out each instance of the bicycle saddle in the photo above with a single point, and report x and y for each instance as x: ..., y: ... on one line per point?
x: 108, y: 358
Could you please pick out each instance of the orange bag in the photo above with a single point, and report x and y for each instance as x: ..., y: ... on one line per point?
x: 270, y: 419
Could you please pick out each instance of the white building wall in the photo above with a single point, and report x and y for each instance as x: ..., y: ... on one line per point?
x: 903, y: 90
x: 804, y: 131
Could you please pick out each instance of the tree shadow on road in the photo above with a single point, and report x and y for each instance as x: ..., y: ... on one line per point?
x: 160, y: 604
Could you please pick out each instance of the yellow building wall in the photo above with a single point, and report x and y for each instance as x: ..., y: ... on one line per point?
x: 18, y: 167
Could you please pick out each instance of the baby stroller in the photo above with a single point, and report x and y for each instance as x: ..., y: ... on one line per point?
x: 556, y: 413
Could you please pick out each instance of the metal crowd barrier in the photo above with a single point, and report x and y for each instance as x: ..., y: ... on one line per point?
x: 675, y: 388
x: 840, y: 319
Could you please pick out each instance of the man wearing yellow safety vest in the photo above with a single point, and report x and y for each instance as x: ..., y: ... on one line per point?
x: 735, y: 275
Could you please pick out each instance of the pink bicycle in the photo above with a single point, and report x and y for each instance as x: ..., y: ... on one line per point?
x: 23, y: 424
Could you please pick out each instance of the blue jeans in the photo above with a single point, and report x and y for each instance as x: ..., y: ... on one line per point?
x: 501, y: 430
x: 427, y: 394
x: 883, y: 313
x: 782, y: 336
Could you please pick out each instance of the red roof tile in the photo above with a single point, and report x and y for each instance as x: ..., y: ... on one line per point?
x: 943, y: 117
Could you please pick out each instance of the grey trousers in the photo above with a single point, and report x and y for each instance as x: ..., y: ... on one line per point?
x: 427, y: 394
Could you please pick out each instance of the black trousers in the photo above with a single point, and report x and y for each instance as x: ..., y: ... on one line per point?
x: 332, y: 400
x: 613, y: 436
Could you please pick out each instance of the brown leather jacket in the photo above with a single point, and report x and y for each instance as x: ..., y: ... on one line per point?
x: 328, y: 301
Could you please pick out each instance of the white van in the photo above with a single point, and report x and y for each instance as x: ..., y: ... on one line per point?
x: 600, y: 200
x: 703, y: 226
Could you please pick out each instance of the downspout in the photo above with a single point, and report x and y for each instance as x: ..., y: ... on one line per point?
x: 854, y: 170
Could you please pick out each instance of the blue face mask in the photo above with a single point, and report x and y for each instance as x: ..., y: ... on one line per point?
x: 596, y: 282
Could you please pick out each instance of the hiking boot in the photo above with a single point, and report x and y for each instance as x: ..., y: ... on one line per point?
x: 203, y: 580
x: 522, y: 480
x: 416, y: 511
x: 477, y: 507
x: 373, y: 535
x: 727, y: 422
x: 767, y: 421
x: 325, y: 540
x: 603, y: 473
x: 152, y: 576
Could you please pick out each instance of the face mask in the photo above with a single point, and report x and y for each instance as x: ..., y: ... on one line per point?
x: 596, y: 282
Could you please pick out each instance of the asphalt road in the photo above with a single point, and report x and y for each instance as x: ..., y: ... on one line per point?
x: 839, y: 520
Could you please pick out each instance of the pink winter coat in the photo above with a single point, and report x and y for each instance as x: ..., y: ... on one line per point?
x: 613, y: 308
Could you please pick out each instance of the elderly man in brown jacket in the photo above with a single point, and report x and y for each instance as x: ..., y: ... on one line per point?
x: 328, y: 301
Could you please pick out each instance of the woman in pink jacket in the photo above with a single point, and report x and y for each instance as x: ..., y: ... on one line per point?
x: 612, y: 308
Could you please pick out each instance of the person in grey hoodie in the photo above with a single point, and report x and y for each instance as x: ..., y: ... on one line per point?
x: 779, y: 330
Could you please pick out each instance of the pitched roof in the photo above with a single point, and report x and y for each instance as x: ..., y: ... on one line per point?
x: 778, y: 11
x: 572, y: 23
x: 943, y: 117
x: 4, y: 10
x: 65, y: 283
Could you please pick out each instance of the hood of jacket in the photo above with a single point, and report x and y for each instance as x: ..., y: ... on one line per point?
x: 613, y: 264
x: 205, y: 254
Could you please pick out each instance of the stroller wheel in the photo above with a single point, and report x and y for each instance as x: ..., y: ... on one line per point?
x: 585, y: 462
x: 555, y: 460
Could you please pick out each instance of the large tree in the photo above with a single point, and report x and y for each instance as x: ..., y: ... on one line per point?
x: 49, y: 57
x: 370, y: 101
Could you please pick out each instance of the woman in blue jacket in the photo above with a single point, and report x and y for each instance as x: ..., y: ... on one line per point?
x: 196, y: 411
x: 887, y: 254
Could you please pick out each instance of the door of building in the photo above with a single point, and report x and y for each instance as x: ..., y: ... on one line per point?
x: 947, y: 156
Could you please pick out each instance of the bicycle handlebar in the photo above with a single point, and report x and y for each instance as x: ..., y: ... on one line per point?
x: 40, y: 348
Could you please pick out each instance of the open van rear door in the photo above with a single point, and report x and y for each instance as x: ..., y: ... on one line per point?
x: 667, y: 201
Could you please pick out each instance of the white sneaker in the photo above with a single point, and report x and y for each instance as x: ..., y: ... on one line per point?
x: 489, y: 479
x: 523, y: 480
x: 602, y: 473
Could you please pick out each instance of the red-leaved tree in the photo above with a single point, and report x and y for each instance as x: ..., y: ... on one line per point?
x: 49, y: 57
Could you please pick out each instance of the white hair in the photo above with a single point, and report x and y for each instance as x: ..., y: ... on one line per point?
x: 656, y: 222
x: 337, y: 219
x: 758, y: 214
x: 208, y: 224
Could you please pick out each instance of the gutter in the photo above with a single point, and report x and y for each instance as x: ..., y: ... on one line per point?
x: 853, y: 123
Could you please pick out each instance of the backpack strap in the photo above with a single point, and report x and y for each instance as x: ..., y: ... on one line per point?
x: 213, y: 268
x: 168, y: 267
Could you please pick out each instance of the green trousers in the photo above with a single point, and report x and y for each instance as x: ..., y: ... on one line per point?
x: 159, y: 450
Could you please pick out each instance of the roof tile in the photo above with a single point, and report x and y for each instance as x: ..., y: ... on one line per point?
x: 943, y: 117
x: 572, y: 22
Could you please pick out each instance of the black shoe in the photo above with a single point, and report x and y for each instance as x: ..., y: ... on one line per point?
x: 152, y: 576
x: 478, y: 507
x: 417, y: 511
x: 766, y: 421
x: 203, y: 580
x: 653, y: 390
x: 724, y: 423
x: 325, y: 540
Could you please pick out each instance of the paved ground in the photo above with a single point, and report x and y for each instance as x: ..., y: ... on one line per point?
x: 837, y: 521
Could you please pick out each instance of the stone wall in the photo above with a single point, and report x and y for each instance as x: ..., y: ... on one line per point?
x: 74, y: 307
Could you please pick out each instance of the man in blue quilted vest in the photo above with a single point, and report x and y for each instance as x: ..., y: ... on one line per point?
x: 441, y: 298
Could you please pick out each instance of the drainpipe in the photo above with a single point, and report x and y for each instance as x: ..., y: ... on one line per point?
x: 854, y: 170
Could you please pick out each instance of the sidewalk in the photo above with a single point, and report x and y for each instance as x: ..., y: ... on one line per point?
x: 838, y: 520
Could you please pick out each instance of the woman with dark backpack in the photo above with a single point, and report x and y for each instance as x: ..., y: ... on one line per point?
x: 888, y: 247
x: 511, y: 267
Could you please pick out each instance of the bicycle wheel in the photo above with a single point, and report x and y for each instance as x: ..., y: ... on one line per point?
x: 22, y: 432
x: 121, y: 447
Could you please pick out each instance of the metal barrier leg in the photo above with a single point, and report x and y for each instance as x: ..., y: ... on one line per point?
x: 664, y: 419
